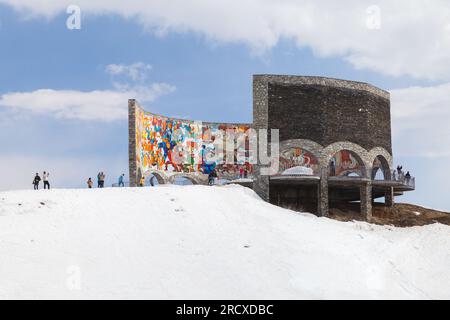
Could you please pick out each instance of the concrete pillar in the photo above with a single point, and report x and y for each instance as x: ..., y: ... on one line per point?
x: 389, y: 198
x: 366, y: 200
x: 323, y: 194
x: 261, y: 184
x: 260, y: 121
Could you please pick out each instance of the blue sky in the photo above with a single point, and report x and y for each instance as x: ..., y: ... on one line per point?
x: 200, y: 74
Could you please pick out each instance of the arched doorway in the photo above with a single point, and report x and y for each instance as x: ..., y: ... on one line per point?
x: 154, y: 178
x: 380, y: 169
x: 182, y: 180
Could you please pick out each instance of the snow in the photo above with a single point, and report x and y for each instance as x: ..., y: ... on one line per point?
x: 199, y: 242
x: 298, y: 171
x: 241, y: 180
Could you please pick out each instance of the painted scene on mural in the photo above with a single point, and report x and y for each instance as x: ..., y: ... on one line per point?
x: 298, y: 158
x: 345, y: 163
x: 182, y: 146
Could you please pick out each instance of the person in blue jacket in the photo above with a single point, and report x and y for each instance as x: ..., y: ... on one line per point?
x: 121, y: 182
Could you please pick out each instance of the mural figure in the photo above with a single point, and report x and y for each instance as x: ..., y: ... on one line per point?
x: 344, y: 163
x: 298, y: 157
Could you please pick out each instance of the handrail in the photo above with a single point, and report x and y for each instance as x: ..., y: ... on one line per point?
x: 409, y: 181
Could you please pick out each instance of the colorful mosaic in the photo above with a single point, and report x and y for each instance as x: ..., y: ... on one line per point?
x: 297, y: 157
x: 344, y: 163
x: 172, y: 145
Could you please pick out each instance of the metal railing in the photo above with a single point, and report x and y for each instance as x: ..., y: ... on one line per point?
x: 408, y: 181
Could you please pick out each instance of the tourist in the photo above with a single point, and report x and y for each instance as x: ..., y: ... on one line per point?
x: 241, y: 172
x: 90, y: 183
x: 407, y: 176
x: 121, y: 182
x: 98, y: 180
x: 142, y: 182
x: 45, y: 179
x: 36, y: 181
x: 101, y: 179
x: 212, y: 177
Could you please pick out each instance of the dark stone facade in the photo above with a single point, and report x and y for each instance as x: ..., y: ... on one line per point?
x: 329, y: 114
x: 323, y: 115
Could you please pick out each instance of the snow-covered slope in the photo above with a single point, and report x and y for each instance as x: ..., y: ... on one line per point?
x: 206, y: 242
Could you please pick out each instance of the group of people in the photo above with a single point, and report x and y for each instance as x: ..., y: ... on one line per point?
x: 37, y: 179
x: 399, y: 174
x: 101, y: 176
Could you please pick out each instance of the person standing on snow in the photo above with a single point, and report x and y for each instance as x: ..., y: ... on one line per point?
x: 90, y: 183
x: 142, y: 182
x: 99, y: 184
x: 45, y: 179
x: 121, y: 183
x: 36, y: 181
x: 101, y: 179
x: 211, y: 177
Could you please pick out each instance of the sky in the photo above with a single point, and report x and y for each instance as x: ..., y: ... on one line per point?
x: 64, y: 90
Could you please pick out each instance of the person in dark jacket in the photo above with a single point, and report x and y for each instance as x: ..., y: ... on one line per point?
x: 211, y: 177
x: 101, y: 179
x: 99, y: 183
x: 36, y: 181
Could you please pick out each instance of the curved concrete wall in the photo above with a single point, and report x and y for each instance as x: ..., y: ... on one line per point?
x: 174, y: 147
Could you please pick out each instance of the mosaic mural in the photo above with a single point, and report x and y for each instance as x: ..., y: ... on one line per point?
x: 344, y: 163
x: 172, y: 145
x: 297, y: 157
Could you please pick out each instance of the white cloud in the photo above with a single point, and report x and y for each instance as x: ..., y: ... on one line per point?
x: 420, y: 121
x: 413, y: 37
x: 137, y: 71
x: 106, y: 105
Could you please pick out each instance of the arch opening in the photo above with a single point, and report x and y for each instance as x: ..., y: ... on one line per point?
x: 346, y: 163
x: 155, y: 178
x: 182, y: 180
x: 380, y: 169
